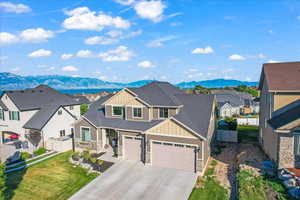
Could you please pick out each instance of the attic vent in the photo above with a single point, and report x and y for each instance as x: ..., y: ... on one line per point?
x: 32, y: 91
x: 41, y: 91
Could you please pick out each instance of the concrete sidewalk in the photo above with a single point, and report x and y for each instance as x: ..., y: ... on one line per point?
x: 133, y: 181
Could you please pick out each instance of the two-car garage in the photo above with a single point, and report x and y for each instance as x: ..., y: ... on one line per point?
x: 162, y: 154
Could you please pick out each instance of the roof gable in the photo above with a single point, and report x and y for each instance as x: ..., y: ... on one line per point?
x: 284, y: 77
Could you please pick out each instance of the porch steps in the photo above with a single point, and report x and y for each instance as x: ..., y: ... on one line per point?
x: 31, y: 163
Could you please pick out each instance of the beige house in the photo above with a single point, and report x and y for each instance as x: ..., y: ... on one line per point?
x: 31, y: 117
x: 156, y: 124
x: 280, y: 113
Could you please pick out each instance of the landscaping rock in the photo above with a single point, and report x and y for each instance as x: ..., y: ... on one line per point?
x: 290, y: 183
x: 284, y: 175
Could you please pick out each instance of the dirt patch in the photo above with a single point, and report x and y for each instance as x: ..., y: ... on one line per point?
x: 231, y: 156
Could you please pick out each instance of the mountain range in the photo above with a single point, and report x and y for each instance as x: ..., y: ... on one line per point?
x: 10, y: 81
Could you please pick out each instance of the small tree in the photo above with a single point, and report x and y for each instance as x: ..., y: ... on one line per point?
x: 201, y: 90
x: 83, y: 108
x: 2, y: 179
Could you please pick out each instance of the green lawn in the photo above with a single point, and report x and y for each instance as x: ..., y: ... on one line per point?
x: 248, y: 133
x: 210, y: 188
x: 256, y: 187
x: 52, y: 179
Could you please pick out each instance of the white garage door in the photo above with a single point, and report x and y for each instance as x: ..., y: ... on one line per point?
x: 132, y: 148
x: 170, y: 155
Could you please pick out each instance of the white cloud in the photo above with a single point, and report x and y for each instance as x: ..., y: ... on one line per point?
x: 206, y: 50
x: 100, y: 40
x: 125, y: 2
x: 273, y: 61
x: 36, y: 35
x: 132, y: 34
x: 103, y: 77
x: 8, y: 38
x: 66, y: 56
x: 84, y: 54
x: 14, y: 8
x: 50, y: 69
x: 163, y: 77
x: 2, y: 58
x: 121, y: 53
x: 146, y: 64
x: 40, y: 53
x: 159, y: 42
x: 258, y: 56
x: 83, y: 19
x: 192, y: 70
x: 176, y: 24
x: 70, y: 68
x: 16, y: 69
x: 114, y: 33
x: 298, y: 17
x: 236, y: 57
x: 152, y: 10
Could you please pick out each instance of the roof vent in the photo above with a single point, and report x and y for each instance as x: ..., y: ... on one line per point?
x: 32, y: 91
x: 41, y: 91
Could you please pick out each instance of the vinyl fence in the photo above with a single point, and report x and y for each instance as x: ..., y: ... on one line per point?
x: 248, y: 121
x: 59, y: 145
x: 227, y: 136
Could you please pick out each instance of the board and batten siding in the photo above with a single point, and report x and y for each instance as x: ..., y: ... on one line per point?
x: 123, y: 98
x: 283, y: 99
x: 170, y: 127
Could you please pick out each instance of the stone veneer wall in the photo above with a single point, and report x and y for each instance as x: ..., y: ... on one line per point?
x: 286, y: 157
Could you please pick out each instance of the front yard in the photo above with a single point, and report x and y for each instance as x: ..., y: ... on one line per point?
x: 53, y: 179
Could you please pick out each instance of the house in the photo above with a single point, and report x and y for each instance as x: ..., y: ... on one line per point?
x: 279, y: 124
x: 157, y: 124
x: 33, y: 116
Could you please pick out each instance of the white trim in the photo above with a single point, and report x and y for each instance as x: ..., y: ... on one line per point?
x: 112, y: 111
x: 142, y: 113
x: 179, y: 136
x: 81, y: 134
x: 162, y: 118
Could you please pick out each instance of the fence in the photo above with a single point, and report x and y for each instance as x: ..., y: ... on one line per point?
x: 59, y: 145
x: 227, y: 136
x: 248, y: 121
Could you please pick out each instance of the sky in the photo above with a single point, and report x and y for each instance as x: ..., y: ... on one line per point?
x: 129, y: 40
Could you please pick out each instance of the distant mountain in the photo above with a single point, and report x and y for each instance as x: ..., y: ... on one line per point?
x: 9, y: 81
x: 216, y: 83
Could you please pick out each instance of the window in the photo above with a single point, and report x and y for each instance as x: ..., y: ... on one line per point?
x: 62, y: 133
x: 117, y: 111
x: 71, y: 107
x: 1, y: 114
x: 297, y: 144
x: 14, y: 115
x: 85, y: 134
x: 59, y: 112
x: 163, y: 113
x: 137, y: 112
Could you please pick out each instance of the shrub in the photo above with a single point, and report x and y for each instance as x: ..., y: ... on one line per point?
x: 25, y: 155
x: 86, y: 155
x: 93, y: 160
x: 100, y: 162
x: 83, y: 108
x: 39, y: 151
x: 214, y: 163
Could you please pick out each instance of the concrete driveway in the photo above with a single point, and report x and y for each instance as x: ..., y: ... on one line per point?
x: 133, y: 181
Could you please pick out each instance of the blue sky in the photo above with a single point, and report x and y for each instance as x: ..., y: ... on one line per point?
x: 128, y: 40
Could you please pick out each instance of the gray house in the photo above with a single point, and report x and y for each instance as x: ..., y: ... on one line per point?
x: 156, y: 124
x: 33, y: 116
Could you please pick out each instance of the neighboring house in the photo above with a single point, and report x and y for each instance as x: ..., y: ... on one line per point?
x: 231, y: 102
x: 35, y: 115
x: 229, y: 105
x: 157, y: 124
x: 280, y: 113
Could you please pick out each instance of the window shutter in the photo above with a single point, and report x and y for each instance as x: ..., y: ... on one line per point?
x: 18, y: 115
x: 297, y: 144
x: 9, y: 115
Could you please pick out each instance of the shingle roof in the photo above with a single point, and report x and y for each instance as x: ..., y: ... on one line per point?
x: 195, y: 113
x: 42, y: 98
x: 158, y: 94
x: 285, y: 115
x: 38, y: 97
x: 281, y: 76
x: 3, y: 106
x: 231, y: 99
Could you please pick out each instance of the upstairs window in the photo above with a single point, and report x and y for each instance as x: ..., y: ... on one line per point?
x: 1, y: 114
x: 59, y: 112
x: 117, y: 111
x: 62, y: 133
x: 71, y: 107
x: 85, y: 134
x: 163, y: 112
x: 137, y: 112
x: 14, y: 115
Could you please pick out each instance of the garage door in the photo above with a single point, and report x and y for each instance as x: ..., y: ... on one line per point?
x: 170, y: 155
x: 132, y: 148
